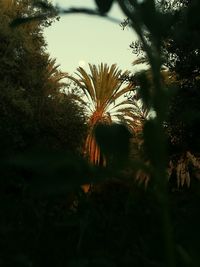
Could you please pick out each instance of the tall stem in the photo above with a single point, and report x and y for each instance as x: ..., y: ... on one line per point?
x: 159, y: 165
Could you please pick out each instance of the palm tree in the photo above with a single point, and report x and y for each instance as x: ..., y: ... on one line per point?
x: 55, y: 78
x: 103, y: 90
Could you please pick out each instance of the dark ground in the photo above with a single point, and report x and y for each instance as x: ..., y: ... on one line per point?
x: 117, y: 224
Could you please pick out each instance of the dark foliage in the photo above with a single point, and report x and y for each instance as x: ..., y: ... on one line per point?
x: 33, y: 111
x: 181, y: 49
x: 46, y: 219
x: 104, y: 5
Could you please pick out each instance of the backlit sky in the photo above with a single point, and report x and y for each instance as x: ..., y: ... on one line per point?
x: 78, y: 39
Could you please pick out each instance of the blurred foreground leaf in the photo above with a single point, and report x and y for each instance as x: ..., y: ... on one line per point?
x: 114, y: 142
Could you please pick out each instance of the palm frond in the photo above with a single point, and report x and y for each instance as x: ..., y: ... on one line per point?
x: 103, y: 88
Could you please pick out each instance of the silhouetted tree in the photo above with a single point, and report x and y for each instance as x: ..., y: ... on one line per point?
x: 34, y: 107
x: 103, y: 90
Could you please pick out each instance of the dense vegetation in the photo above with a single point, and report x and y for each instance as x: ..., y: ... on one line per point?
x: 142, y: 208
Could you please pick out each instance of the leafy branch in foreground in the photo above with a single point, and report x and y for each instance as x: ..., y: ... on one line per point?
x: 180, y: 59
x: 144, y: 17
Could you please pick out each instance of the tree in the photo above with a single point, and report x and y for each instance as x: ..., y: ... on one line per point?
x: 103, y: 95
x: 180, y: 62
x: 31, y: 85
x: 181, y: 51
x: 182, y: 57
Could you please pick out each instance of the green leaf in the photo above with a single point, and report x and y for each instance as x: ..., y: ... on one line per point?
x: 114, y: 142
x: 144, y: 89
x: 153, y: 135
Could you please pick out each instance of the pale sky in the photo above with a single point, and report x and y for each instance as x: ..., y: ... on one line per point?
x: 81, y: 39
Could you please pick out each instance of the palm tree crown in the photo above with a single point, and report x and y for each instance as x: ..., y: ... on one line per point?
x: 103, y: 90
